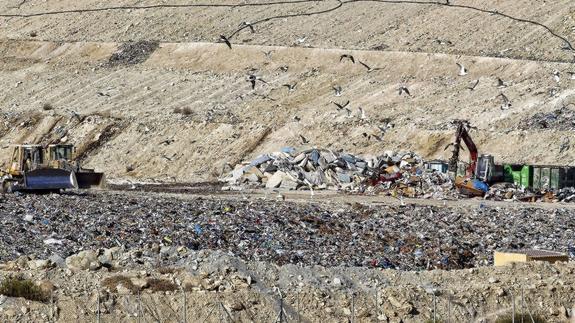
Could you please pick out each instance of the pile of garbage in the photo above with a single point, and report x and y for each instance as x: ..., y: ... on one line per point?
x: 560, y: 119
x: 133, y: 53
x: 409, y: 237
x: 513, y: 192
x: 316, y: 169
x: 510, y: 192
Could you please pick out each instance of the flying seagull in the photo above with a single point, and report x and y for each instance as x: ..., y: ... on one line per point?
x: 252, y: 79
x: 473, y: 85
x: 225, y: 40
x: 404, y: 89
x: 340, y: 106
x: 462, y: 70
x: 362, y: 115
x: 348, y: 57
x: 291, y: 87
x: 369, y: 69
x: 337, y: 90
x: 303, y: 139
x: 268, y: 54
x: 247, y: 24
x: 500, y: 83
x: 506, y: 103
x: 348, y: 111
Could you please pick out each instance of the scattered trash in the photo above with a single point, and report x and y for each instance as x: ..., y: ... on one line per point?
x: 561, y: 119
x: 133, y: 53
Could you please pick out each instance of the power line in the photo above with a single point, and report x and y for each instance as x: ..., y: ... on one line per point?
x: 305, y: 14
x: 492, y: 12
x: 340, y: 4
x: 159, y: 6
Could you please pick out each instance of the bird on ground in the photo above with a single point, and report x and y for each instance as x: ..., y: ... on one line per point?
x: 553, y: 92
x: 247, y: 24
x: 291, y: 87
x: 384, y: 128
x: 369, y: 69
x: 500, y: 83
x: 369, y: 135
x: 296, y: 119
x: 102, y: 94
x: 571, y: 75
x: 462, y: 69
x: 348, y: 57
x: 226, y: 40
x: 340, y: 106
x: 566, y: 46
x: 556, y: 76
x: 506, y: 104
x: 404, y: 89
x: 564, y: 145
x: 473, y: 85
x: 252, y: 79
x: 303, y: 139
x: 337, y: 90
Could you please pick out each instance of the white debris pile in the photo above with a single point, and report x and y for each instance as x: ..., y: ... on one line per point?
x: 327, y: 169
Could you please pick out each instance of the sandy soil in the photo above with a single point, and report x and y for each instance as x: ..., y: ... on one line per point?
x: 128, y: 126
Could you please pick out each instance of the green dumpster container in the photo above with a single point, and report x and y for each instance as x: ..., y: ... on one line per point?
x: 521, y: 175
x: 551, y: 177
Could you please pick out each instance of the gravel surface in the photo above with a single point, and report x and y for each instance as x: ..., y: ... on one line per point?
x: 402, y: 237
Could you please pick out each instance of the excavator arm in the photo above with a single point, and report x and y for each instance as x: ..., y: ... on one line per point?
x: 469, y: 184
x: 463, y: 134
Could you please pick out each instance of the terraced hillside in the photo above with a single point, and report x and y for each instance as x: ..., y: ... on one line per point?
x: 185, y: 110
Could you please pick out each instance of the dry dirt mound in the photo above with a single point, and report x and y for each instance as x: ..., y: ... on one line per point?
x: 188, y: 111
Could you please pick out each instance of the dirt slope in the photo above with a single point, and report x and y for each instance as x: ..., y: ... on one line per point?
x: 470, y: 27
x: 187, y: 111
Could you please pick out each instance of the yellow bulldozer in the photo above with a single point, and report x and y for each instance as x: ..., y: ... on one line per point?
x: 53, y: 168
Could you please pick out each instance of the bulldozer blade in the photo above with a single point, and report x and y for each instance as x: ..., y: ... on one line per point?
x: 49, y: 179
x: 90, y: 179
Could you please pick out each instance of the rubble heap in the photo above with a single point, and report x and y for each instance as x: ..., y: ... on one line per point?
x: 401, y: 173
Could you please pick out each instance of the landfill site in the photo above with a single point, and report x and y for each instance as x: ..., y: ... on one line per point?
x: 287, y: 161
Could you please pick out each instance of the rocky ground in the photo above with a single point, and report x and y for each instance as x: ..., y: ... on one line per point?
x: 208, y: 286
x: 406, y: 237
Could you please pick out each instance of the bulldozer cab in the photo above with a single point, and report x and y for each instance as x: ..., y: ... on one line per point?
x: 26, y: 158
x: 60, y: 152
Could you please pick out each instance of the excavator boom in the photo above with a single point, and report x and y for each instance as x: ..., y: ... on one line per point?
x: 469, y: 184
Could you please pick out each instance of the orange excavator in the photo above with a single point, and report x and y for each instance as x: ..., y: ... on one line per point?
x: 473, y: 181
